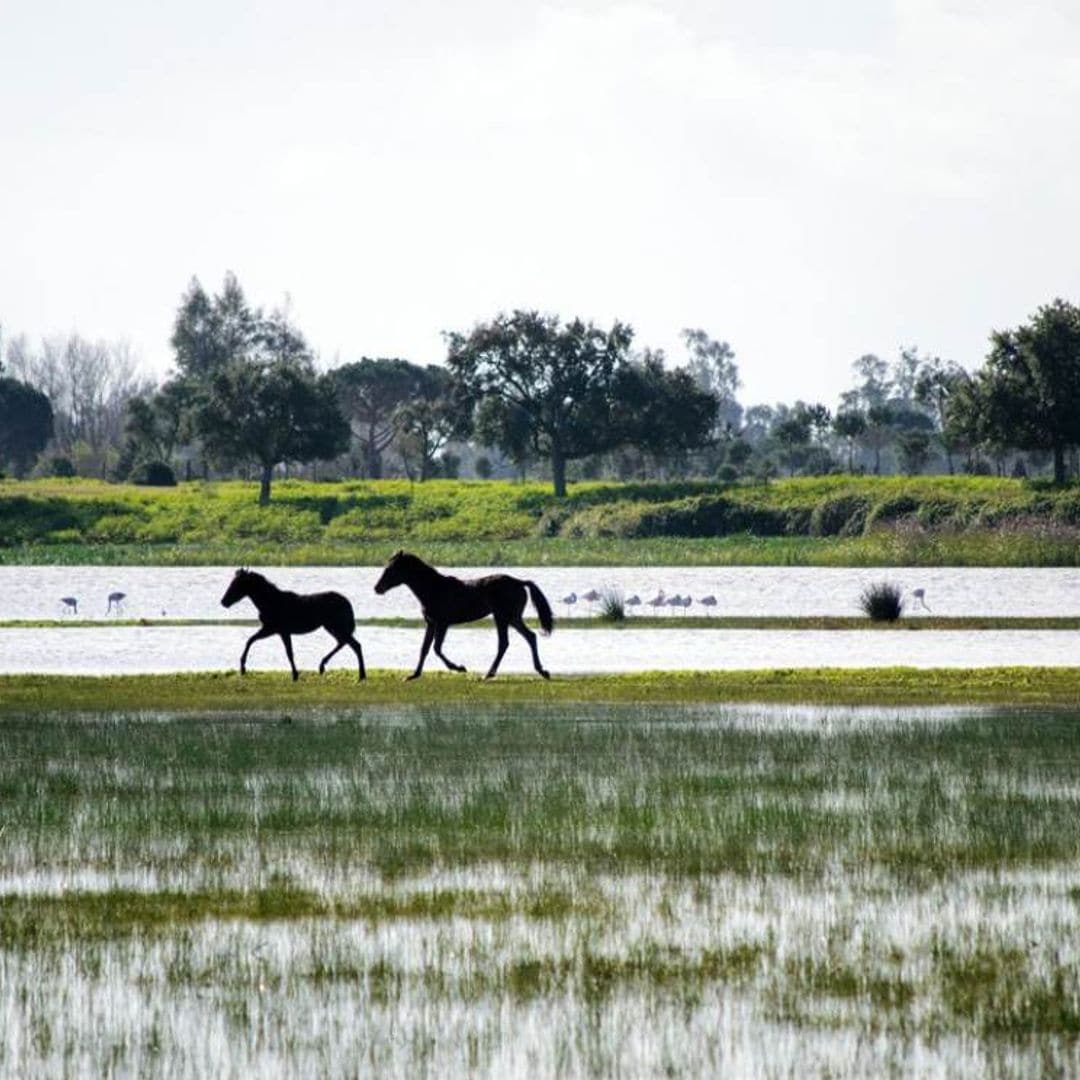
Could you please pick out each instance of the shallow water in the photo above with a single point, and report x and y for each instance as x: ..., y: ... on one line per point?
x: 136, y: 649
x: 34, y: 592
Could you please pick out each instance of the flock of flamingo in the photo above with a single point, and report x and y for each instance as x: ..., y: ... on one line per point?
x: 69, y: 605
x: 660, y: 601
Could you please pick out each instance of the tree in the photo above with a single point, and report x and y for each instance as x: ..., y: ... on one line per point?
x: 210, y: 333
x: 26, y: 423
x: 269, y: 414
x: 1029, y: 388
x: 428, y: 422
x: 799, y: 432
x: 507, y: 427
x: 850, y: 425
x: 936, y: 388
x: 873, y: 386
x: 370, y: 393
x: 558, y: 376
x: 665, y: 413
x: 156, y: 424
x: 878, y: 432
x: 914, y: 448
x: 712, y: 366
x: 88, y: 384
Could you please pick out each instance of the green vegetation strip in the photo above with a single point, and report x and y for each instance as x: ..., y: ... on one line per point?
x: 35, y: 921
x: 822, y: 521
x: 276, y: 694
x: 636, y: 622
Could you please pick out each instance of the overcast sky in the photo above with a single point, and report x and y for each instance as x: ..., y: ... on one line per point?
x: 807, y: 181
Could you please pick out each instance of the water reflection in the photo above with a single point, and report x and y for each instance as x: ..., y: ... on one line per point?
x: 34, y: 592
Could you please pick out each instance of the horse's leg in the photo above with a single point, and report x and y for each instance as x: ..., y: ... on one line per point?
x: 519, y: 625
x: 286, y: 640
x: 429, y: 636
x: 262, y: 632
x: 359, y: 655
x: 326, y: 659
x: 504, y: 640
x: 440, y: 636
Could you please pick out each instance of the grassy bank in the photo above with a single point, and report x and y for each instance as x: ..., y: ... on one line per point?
x: 833, y: 521
x: 605, y: 890
x: 277, y: 696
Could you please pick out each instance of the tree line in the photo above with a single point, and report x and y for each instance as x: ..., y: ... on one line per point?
x: 523, y: 391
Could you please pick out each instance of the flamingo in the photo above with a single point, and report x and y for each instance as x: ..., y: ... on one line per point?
x: 657, y: 601
x: 71, y: 604
x: 632, y: 601
x: 116, y: 600
x: 569, y: 601
x: 686, y: 602
x: 708, y: 601
x: 920, y: 595
x: 590, y: 597
x: 675, y: 601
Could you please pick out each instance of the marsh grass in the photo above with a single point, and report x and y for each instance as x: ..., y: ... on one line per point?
x: 560, y: 888
x: 274, y: 698
x: 882, y: 602
x: 612, y: 606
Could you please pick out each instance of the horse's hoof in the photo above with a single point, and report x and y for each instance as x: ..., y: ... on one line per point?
x: 546, y: 674
x: 409, y: 678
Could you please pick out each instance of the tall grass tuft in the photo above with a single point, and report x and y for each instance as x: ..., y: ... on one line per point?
x: 882, y: 602
x: 612, y: 605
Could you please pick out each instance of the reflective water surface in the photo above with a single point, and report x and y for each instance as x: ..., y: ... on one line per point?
x: 34, y: 592
x: 138, y: 649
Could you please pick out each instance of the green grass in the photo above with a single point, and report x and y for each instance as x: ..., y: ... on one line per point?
x: 279, y: 697
x: 833, y: 521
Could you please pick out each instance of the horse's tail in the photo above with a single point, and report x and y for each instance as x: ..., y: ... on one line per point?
x: 543, y: 608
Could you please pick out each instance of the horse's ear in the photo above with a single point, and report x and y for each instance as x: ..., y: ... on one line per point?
x: 399, y: 553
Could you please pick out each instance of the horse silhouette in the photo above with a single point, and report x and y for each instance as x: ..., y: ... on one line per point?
x: 447, y: 601
x: 286, y: 613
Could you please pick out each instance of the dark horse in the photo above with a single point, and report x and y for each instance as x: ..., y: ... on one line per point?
x: 287, y: 613
x: 447, y: 601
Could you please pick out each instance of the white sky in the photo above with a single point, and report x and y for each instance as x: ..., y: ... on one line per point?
x: 808, y: 181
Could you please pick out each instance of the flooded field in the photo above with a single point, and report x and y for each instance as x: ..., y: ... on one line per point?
x: 617, y: 891
x: 123, y: 650
x: 35, y: 592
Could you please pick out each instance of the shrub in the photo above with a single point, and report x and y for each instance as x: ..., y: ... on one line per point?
x: 612, y: 607
x: 882, y: 602
x: 61, y: 467
x: 842, y: 515
x: 153, y: 474
x: 890, y: 510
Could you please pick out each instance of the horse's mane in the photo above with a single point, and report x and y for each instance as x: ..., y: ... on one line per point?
x: 254, y: 575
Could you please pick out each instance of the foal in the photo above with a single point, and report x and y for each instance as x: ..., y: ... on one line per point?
x: 287, y: 613
x: 447, y: 601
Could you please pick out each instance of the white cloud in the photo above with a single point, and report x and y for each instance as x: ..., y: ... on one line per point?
x: 809, y: 182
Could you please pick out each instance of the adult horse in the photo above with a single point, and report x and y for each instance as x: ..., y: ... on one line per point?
x: 286, y: 613
x: 447, y: 601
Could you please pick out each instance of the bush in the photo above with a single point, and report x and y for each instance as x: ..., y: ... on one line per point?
x: 153, y: 474
x: 892, y: 509
x: 612, y: 607
x: 883, y: 602
x: 61, y: 467
x: 842, y: 515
